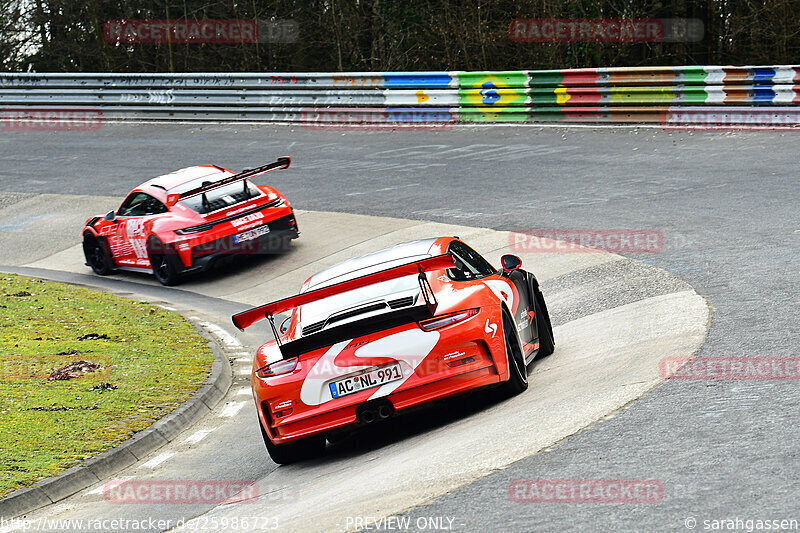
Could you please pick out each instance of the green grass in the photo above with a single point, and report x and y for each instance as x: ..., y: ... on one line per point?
x: 155, y: 358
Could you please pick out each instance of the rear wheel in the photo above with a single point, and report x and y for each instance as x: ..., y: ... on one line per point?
x: 163, y: 259
x: 295, y: 451
x: 518, y: 373
x: 547, y: 343
x: 96, y: 255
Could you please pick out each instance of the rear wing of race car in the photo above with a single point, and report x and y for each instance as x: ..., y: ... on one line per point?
x: 281, y: 162
x: 268, y: 311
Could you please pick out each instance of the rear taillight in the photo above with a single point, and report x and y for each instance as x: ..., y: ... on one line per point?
x: 442, y: 321
x: 278, y: 368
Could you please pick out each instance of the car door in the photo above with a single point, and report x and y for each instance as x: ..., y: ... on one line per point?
x: 127, y: 236
x: 475, y: 267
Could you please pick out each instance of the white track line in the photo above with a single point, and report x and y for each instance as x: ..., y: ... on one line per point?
x: 231, y: 409
x: 197, y: 436
x: 227, y: 339
x: 158, y: 459
x: 113, y: 482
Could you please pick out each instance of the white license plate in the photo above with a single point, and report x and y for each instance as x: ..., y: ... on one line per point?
x: 249, y: 235
x: 374, y: 378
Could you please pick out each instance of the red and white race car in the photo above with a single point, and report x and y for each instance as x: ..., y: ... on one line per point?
x: 182, y: 221
x: 390, y: 330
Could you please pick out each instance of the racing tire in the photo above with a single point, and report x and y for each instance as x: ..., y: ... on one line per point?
x: 517, y: 370
x: 163, y: 260
x: 97, y: 255
x: 293, y: 452
x: 547, y: 343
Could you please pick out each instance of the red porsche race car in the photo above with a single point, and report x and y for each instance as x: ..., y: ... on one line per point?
x: 390, y: 330
x: 183, y: 221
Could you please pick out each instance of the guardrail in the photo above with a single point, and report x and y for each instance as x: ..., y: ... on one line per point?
x: 754, y: 95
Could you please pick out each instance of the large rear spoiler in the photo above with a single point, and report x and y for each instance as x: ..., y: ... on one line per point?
x: 281, y: 162
x: 248, y: 318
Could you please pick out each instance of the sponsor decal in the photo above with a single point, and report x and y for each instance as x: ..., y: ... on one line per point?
x: 453, y: 355
x: 490, y: 328
x: 134, y: 230
x: 249, y: 218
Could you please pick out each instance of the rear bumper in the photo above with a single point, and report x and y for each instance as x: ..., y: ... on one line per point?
x: 281, y: 230
x: 400, y: 400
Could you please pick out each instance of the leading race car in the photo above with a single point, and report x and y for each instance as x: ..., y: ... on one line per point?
x: 183, y: 221
x: 390, y: 330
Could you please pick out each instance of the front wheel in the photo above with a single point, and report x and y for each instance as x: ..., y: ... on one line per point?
x: 96, y: 255
x: 295, y: 451
x: 163, y: 261
x: 518, y: 373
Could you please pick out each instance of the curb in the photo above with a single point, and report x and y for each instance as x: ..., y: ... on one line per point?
x: 91, y: 471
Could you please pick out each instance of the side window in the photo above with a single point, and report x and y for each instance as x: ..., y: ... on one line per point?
x: 474, y: 266
x: 140, y: 204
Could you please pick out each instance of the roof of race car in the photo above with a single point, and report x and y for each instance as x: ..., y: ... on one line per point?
x: 370, y: 263
x: 185, y: 175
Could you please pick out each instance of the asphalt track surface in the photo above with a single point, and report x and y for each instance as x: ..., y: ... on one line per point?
x: 725, y: 202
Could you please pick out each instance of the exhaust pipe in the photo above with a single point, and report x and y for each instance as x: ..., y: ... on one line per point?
x: 368, y: 416
x: 385, y: 411
x: 373, y: 411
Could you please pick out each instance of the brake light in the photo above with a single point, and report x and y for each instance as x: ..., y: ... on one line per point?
x: 278, y: 368
x: 442, y: 321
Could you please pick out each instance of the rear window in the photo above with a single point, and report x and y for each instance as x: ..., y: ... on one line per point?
x: 215, y: 199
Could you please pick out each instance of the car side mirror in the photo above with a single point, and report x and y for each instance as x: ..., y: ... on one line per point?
x: 110, y: 216
x: 510, y: 263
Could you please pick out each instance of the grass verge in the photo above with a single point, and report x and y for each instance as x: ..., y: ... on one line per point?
x: 123, y: 365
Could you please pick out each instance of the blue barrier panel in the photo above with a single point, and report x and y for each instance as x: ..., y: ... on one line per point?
x: 763, y: 94
x: 417, y: 80
x: 763, y: 74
